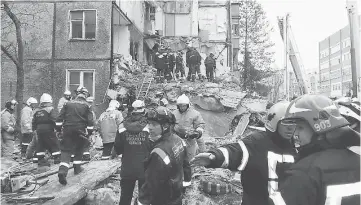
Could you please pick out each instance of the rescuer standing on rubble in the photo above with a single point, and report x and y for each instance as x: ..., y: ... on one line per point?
x: 44, y: 124
x: 133, y: 143
x: 326, y: 171
x: 172, y: 61
x: 86, y: 153
x: 131, y: 97
x: 189, y: 126
x: 26, y: 124
x: 210, y: 64
x: 77, y: 119
x: 109, y: 122
x: 160, y: 64
x: 179, y: 65
x: 193, y: 60
x: 164, y: 166
x: 8, y: 122
x: 167, y: 63
x: 64, y: 99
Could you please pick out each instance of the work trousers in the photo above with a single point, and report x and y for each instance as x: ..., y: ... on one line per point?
x: 179, y: 68
x: 160, y: 75
x: 209, y: 72
x: 7, y: 144
x: 74, y: 141
x: 25, y: 141
x: 127, y: 188
x: 193, y: 70
x: 168, y: 73
x: 47, y: 140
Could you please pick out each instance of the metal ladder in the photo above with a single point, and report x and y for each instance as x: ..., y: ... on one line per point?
x: 143, y: 91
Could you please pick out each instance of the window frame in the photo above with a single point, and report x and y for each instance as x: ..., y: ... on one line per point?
x: 82, y: 71
x: 83, y: 25
x: 338, y: 46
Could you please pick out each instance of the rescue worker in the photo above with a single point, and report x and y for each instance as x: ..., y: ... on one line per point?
x: 86, y: 153
x: 166, y: 65
x: 260, y: 157
x: 77, y: 120
x: 109, y: 122
x: 162, y: 101
x: 210, y: 64
x: 8, y: 122
x: 133, y: 143
x: 193, y: 60
x: 64, y: 99
x: 26, y: 124
x: 131, y: 97
x: 189, y: 126
x: 164, y: 166
x: 44, y: 124
x: 326, y: 172
x: 160, y: 65
x: 179, y: 65
x: 172, y: 62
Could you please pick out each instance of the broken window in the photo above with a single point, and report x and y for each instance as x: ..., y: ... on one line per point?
x: 84, y: 78
x: 82, y: 24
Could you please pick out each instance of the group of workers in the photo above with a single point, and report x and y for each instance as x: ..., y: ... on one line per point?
x: 170, y: 64
x: 303, y: 157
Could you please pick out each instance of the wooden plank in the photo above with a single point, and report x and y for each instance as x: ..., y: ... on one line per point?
x: 78, y: 185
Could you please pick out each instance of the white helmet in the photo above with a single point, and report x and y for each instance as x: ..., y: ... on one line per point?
x: 139, y: 106
x: 31, y: 100
x: 114, y: 105
x: 163, y: 102
x: 90, y: 99
x: 67, y: 92
x: 183, y: 99
x: 46, y: 98
x: 275, y: 114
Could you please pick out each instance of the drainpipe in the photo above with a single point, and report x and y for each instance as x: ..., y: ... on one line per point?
x: 111, y: 40
x: 230, y: 47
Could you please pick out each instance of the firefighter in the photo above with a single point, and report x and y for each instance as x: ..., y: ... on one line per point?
x: 64, y: 99
x: 162, y: 101
x: 44, y: 124
x: 326, y: 172
x: 86, y: 153
x: 26, y: 124
x: 132, y: 142
x: 179, y: 65
x: 8, y: 122
x: 109, y: 123
x: 193, y: 60
x: 164, y: 166
x: 77, y: 119
x: 160, y: 65
x: 190, y: 126
x: 167, y: 64
x: 210, y: 64
x: 131, y: 97
x: 172, y: 62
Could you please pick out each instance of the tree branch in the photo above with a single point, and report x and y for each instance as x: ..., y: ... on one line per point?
x: 7, y: 53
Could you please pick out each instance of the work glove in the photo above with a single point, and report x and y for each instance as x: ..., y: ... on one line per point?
x: 203, y: 159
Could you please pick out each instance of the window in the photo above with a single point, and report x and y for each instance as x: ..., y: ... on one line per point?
x: 324, y: 53
x: 74, y: 78
x: 324, y: 65
x: 346, y: 56
x: 235, y: 29
x: 346, y: 71
x: 335, y: 48
x: 149, y: 12
x: 346, y: 43
x: 335, y: 61
x: 82, y: 24
x: 335, y: 74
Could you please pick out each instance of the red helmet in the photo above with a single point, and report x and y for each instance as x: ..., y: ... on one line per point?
x: 320, y: 112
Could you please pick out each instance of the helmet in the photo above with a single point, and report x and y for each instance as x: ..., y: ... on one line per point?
x: 320, y: 112
x: 31, y: 100
x: 67, y: 92
x: 138, y: 106
x: 275, y: 114
x: 161, y: 115
x: 90, y: 99
x: 159, y: 94
x: 183, y: 99
x: 82, y: 90
x: 46, y: 98
x: 163, y: 102
x: 10, y: 103
x: 114, y: 104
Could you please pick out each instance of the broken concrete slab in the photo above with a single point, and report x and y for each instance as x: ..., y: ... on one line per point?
x: 208, y: 103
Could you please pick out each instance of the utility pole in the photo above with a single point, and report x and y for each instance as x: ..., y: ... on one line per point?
x: 286, y: 53
x: 354, y: 39
x: 230, y: 46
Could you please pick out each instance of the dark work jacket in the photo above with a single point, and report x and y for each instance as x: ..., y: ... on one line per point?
x: 133, y: 142
x: 76, y: 112
x: 210, y: 62
x: 44, y: 118
x: 164, y: 172
x: 326, y: 172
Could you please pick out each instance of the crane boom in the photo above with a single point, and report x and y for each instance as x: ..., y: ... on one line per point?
x: 295, y: 59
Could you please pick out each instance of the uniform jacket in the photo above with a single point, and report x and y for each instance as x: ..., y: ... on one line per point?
x: 209, y: 62
x: 179, y: 60
x: 108, y: 123
x: 26, y: 119
x: 44, y: 118
x: 193, y: 57
x: 171, y: 58
x: 164, y: 172
x: 255, y: 155
x: 61, y: 103
x: 327, y: 174
x: 76, y: 112
x: 190, y: 120
x: 8, y: 122
x: 132, y: 141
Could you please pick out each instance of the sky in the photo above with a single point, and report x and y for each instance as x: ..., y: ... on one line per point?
x: 311, y: 22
